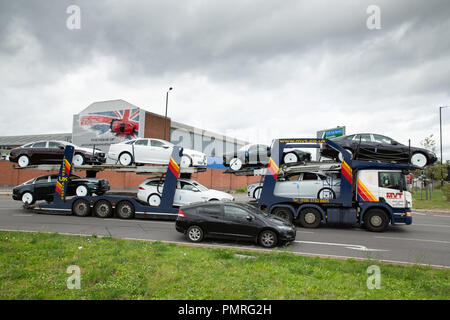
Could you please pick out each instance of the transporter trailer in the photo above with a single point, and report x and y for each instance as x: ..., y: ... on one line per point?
x: 372, y: 194
x: 109, y: 205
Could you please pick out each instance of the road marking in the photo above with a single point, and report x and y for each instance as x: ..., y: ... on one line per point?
x: 432, y: 225
x: 22, y: 215
x: 420, y: 214
x: 412, y: 239
x: 347, y: 246
x: 140, y: 221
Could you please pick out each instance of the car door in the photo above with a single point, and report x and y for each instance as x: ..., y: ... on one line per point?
x: 188, y: 193
x: 42, y: 187
x: 289, y: 188
x: 237, y: 224
x: 389, y: 149
x: 363, y: 146
x: 55, y: 151
x: 263, y: 154
x: 212, y: 219
x: 142, y: 152
x: 310, y: 184
x: 38, y: 152
x: 160, y: 152
x: 252, y: 157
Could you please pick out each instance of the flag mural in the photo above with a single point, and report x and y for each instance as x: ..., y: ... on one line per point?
x: 123, y: 124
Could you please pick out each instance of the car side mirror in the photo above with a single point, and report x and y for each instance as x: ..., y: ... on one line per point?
x: 394, y: 143
x: 61, y: 147
x: 166, y: 147
x: 249, y: 218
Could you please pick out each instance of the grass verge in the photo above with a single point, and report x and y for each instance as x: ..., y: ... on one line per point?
x: 437, y: 201
x: 33, y: 266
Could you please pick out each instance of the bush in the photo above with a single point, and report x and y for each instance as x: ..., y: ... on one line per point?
x: 241, y: 190
x: 446, y: 191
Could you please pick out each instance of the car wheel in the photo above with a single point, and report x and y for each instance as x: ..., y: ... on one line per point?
x: 341, y: 158
x: 310, y: 218
x: 185, y: 162
x: 235, y: 164
x: 326, y: 193
x: 154, y: 200
x: 268, y: 239
x: 125, y: 210
x: 82, y: 191
x: 257, y: 193
x: 194, y: 234
x: 283, y: 213
x: 125, y: 159
x: 418, y: 159
x: 28, y: 198
x: 23, y: 161
x: 78, y: 160
x: 103, y: 209
x: 290, y: 157
x: 376, y: 220
x: 81, y: 208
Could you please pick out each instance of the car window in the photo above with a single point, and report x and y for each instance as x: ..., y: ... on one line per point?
x: 294, y: 177
x: 363, y: 137
x: 39, y: 144
x: 28, y: 145
x: 141, y: 142
x: 130, y: 142
x: 210, y: 210
x: 322, y: 177
x: 156, y: 143
x: 154, y: 182
x: 43, y: 179
x: 235, y: 213
x: 391, y: 180
x: 309, y: 176
x: 54, y: 178
x: 53, y: 144
x: 382, y: 139
x: 187, y: 186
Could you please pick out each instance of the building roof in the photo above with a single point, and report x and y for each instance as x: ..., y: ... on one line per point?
x: 21, y: 140
x: 108, y: 105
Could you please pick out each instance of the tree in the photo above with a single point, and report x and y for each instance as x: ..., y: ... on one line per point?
x: 429, y: 143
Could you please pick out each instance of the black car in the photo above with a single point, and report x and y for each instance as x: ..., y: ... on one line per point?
x: 52, y: 152
x: 376, y: 147
x: 233, y: 221
x: 255, y: 155
x: 43, y: 188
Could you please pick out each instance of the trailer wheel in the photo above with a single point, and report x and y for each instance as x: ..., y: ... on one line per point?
x: 103, y: 209
x: 310, y: 218
x: 81, y: 208
x: 283, y: 213
x: 125, y: 210
x: 376, y: 220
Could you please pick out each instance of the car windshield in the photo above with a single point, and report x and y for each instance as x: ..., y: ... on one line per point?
x: 199, y: 186
x: 254, y: 210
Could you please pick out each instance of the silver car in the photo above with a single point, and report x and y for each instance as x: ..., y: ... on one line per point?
x: 302, y: 185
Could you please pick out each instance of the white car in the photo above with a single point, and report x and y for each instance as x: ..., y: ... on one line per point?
x: 153, y: 151
x: 302, y: 185
x: 188, y: 191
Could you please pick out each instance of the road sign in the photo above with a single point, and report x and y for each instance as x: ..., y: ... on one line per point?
x: 331, y: 133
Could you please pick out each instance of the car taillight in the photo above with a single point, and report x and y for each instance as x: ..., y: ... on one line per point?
x: 181, y: 214
x: 141, y: 188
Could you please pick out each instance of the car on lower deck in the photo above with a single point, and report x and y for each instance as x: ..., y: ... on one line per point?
x: 188, y: 191
x: 52, y: 152
x: 43, y: 188
x: 236, y: 221
x: 302, y: 185
x: 376, y: 147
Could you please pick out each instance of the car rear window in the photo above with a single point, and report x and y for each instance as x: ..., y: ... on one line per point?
x: 210, y: 210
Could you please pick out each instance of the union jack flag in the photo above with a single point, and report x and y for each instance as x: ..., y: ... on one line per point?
x: 101, y: 122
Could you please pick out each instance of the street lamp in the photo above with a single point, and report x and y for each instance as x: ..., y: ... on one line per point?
x: 440, y: 139
x: 165, y: 116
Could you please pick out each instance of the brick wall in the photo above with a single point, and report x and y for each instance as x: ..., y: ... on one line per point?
x: 154, y: 126
x: 215, y: 179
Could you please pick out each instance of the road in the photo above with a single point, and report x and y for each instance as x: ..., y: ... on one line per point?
x: 426, y: 241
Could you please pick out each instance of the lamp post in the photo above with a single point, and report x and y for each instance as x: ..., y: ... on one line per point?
x: 440, y: 139
x: 165, y: 116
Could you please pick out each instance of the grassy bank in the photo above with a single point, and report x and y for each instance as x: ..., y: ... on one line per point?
x: 33, y: 266
x: 436, y: 200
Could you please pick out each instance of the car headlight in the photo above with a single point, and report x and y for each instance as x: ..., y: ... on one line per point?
x: 286, y: 228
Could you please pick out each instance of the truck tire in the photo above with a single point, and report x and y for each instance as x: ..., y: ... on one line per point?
x: 125, y: 210
x: 310, y: 218
x: 376, y: 220
x: 283, y: 213
x: 103, y: 209
x: 81, y: 208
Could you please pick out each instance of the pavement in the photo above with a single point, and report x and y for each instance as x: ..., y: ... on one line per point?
x: 426, y: 241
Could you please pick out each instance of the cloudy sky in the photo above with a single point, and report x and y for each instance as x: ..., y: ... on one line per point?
x: 255, y: 70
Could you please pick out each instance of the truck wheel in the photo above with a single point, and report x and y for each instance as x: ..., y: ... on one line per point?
x: 376, y: 220
x: 194, y: 234
x: 81, y: 208
x: 310, y: 218
x: 268, y: 239
x: 103, y: 209
x: 283, y: 213
x: 125, y: 210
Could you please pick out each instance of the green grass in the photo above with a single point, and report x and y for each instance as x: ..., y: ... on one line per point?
x: 438, y: 201
x: 33, y: 266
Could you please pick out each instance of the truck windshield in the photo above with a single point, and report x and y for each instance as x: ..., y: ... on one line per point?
x: 392, y: 180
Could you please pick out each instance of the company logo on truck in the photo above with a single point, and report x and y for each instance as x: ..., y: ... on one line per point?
x: 394, y: 195
x: 364, y: 193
